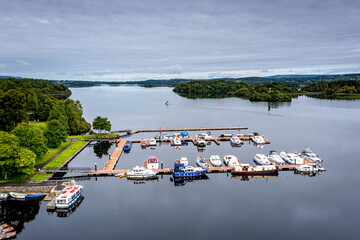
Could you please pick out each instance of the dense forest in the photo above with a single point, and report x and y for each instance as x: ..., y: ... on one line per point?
x: 335, y: 90
x: 26, y: 101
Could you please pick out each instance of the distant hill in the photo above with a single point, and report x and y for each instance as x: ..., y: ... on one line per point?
x: 10, y: 77
x: 293, y: 76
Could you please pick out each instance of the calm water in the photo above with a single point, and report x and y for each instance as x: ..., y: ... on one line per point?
x: 288, y: 206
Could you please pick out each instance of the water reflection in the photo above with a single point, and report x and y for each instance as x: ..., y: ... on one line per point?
x: 66, y: 212
x: 248, y: 177
x: 143, y: 181
x: 178, y: 182
x: 17, y: 213
x: 102, y: 148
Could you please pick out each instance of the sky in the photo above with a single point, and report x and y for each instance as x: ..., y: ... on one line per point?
x: 161, y: 39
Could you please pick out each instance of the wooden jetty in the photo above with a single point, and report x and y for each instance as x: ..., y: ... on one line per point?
x: 110, y: 165
x: 129, y: 131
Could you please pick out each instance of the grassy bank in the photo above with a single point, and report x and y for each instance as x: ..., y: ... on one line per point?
x: 51, y: 152
x: 65, y: 154
x: 102, y: 135
x: 39, y: 177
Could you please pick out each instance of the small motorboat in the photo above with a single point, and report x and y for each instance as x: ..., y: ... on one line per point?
x: 141, y: 173
x: 4, y: 196
x: 275, y: 157
x: 127, y: 146
x: 258, y: 139
x: 204, y: 135
x: 152, y: 163
x: 35, y: 196
x: 215, y: 160
x: 187, y: 171
x: 18, y: 196
x: 3, y: 226
x: 234, y: 140
x: 184, y: 160
x: 6, y: 229
x: 152, y: 142
x: 177, y: 141
x: 144, y: 143
x: 286, y: 158
x: 295, y: 158
x: 69, y: 196
x: 7, y: 235
x: 201, y: 162
x: 246, y: 169
x: 200, y: 142
x: 309, y: 155
x: 121, y: 175
x: 231, y: 161
x: 261, y: 159
x: 306, y: 168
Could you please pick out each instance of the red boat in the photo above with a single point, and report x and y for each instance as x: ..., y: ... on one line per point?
x: 144, y: 143
x: 7, y: 235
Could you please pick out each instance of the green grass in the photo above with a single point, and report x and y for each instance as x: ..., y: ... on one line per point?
x: 51, y: 152
x: 102, y: 135
x: 42, y: 125
x: 65, y: 154
x: 39, y: 177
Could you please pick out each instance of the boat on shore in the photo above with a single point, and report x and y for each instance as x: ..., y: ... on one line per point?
x: 4, y: 196
x: 141, y: 173
x: 231, y: 161
x: 258, y: 139
x: 215, y: 160
x: 261, y: 159
x: 246, y: 169
x: 69, y: 196
x: 127, y: 146
x: 184, y: 161
x: 275, y: 157
x: 152, y: 163
x: 201, y: 162
x: 234, y: 140
x: 180, y: 170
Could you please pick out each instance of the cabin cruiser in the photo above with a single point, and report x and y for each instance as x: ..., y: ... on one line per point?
x: 215, y: 160
x: 152, y: 163
x: 286, y: 158
x: 184, y: 160
x: 307, y: 168
x: 275, y: 157
x: 200, y: 161
x: 258, y: 139
x: 127, y: 146
x: 152, y: 142
x: 309, y: 155
x: 246, y: 169
x: 204, y: 135
x: 144, y: 143
x: 141, y: 173
x: 180, y: 170
x: 235, y: 140
x: 231, y: 160
x: 177, y: 141
x: 261, y: 159
x: 200, y: 142
x: 69, y: 196
x: 296, y: 158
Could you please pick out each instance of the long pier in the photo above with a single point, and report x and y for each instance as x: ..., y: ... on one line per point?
x: 129, y: 131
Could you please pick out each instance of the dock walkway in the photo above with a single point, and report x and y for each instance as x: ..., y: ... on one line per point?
x: 110, y: 165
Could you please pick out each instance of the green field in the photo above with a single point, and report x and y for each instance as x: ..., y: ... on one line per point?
x: 65, y: 155
x: 102, y: 135
x: 51, y: 152
x: 39, y: 177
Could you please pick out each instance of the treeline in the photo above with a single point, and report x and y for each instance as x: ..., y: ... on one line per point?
x: 32, y: 100
x: 220, y: 88
x: 335, y: 90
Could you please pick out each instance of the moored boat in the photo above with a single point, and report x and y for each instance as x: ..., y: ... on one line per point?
x: 69, y: 196
x: 4, y: 196
x: 35, y: 196
x: 144, y: 143
x: 234, y: 140
x: 184, y: 161
x: 261, y: 159
x: 258, y: 139
x: 200, y: 142
x: 177, y: 141
x: 141, y: 173
x: 6, y: 229
x: 17, y: 196
x: 246, y: 169
x: 215, y: 160
x: 309, y: 155
x: 152, y: 142
x: 296, y: 159
x: 180, y: 170
x: 7, y: 235
x: 121, y: 175
x: 275, y: 157
x: 231, y: 160
x: 200, y: 161
x: 127, y: 146
x: 286, y: 158
x: 306, y: 168
x: 152, y: 163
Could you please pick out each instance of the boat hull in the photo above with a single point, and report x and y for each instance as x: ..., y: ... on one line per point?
x: 72, y: 202
x: 141, y: 177
x: 265, y: 172
x: 189, y: 174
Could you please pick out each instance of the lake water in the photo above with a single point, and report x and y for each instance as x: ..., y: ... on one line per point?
x: 288, y: 206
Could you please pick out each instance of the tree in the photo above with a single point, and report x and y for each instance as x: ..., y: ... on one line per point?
x: 55, y: 133
x: 12, y: 109
x: 31, y: 137
x: 14, y: 159
x: 77, y: 124
x: 100, y: 123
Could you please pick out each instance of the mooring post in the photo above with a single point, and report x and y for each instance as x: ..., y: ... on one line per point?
x: 162, y: 165
x: 95, y: 167
x: 109, y: 156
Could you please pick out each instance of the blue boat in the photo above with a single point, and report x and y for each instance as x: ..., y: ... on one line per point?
x: 34, y: 196
x: 184, y: 134
x: 180, y: 170
x: 127, y: 146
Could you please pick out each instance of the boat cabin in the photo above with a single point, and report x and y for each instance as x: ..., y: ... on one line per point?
x: 152, y: 163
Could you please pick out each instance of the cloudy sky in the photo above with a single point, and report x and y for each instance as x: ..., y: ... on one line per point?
x: 157, y: 39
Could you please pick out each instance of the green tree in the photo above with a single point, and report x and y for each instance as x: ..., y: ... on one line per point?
x: 77, y: 124
x: 55, y: 133
x: 100, y: 124
x: 12, y: 109
x: 31, y: 137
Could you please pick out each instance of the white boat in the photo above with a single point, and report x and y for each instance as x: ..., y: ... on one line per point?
x: 204, y: 135
x: 296, y: 158
x: 258, y: 139
x: 4, y: 196
x: 261, y: 159
x: 152, y: 142
x: 231, y: 160
x: 235, y: 140
x: 141, y: 173
x: 20, y: 196
x: 306, y: 168
x: 69, y: 196
x: 184, y: 160
x: 309, y: 155
x: 275, y: 157
x: 200, y: 161
x: 152, y: 163
x: 286, y: 158
x: 246, y: 169
x: 177, y: 141
x: 200, y: 142
x: 215, y: 160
